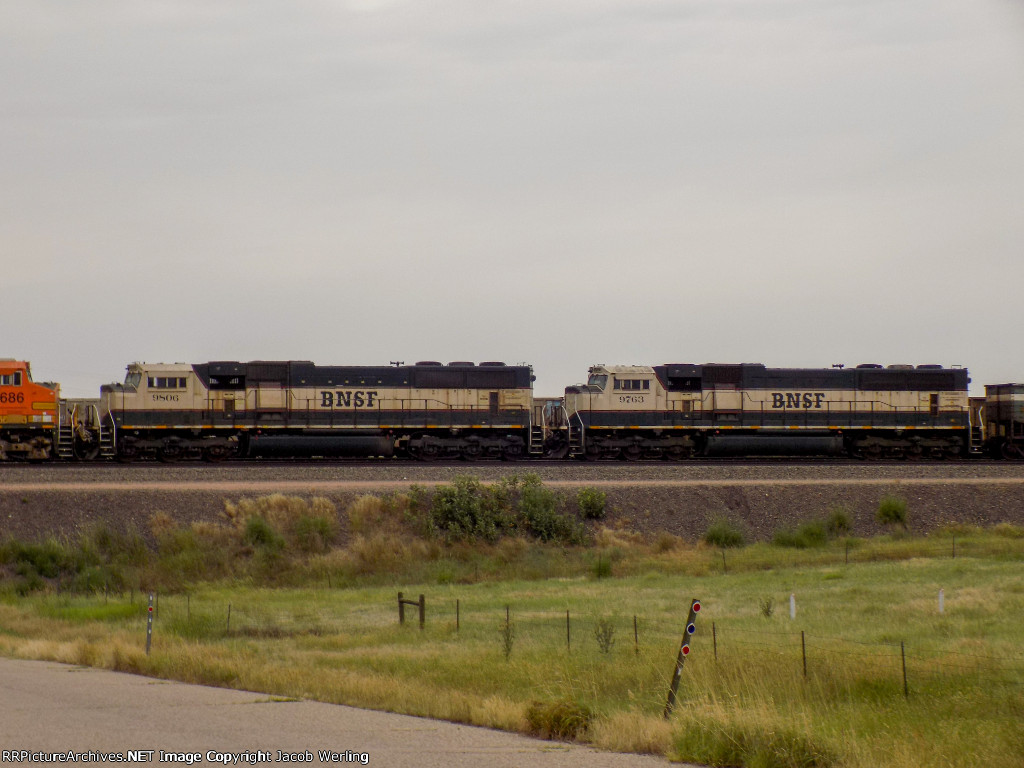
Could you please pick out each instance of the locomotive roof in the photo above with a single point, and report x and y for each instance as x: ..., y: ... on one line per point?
x: 297, y: 373
x: 757, y: 376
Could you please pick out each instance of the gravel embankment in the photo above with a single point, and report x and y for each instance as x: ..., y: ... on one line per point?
x: 680, y: 499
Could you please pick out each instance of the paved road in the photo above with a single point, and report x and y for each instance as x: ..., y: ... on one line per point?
x: 51, y: 707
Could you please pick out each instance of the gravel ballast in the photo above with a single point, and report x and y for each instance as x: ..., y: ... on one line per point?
x: 39, y: 501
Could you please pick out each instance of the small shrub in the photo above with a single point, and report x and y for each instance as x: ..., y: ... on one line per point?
x: 723, y: 534
x: 260, y: 533
x: 892, y: 512
x: 315, y: 533
x: 37, y: 561
x: 559, y: 719
x: 603, y: 568
x: 604, y: 633
x: 807, y: 535
x: 102, y: 542
x: 591, y: 503
x: 542, y: 517
x: 466, y: 511
x: 839, y: 522
x: 666, y: 542
x: 508, y: 637
x: 767, y: 605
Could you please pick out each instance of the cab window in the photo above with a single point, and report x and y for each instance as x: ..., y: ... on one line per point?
x: 632, y: 385
x: 166, y: 382
x: 597, y: 381
x: 10, y: 379
x: 133, y: 380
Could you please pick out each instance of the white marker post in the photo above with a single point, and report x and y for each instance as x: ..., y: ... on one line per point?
x: 149, y: 625
x: 942, y: 601
x: 792, y: 606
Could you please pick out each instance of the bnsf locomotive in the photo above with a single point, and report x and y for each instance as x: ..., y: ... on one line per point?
x: 683, y: 410
x: 221, y: 410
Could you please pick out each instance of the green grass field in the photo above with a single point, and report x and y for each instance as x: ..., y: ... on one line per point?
x: 748, y: 704
x: 540, y: 620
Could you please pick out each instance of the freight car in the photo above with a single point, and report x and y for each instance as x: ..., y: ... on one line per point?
x: 425, y: 411
x: 683, y: 410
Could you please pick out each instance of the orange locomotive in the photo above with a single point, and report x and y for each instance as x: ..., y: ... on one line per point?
x: 28, y: 413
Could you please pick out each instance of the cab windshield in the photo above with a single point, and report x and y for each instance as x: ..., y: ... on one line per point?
x: 598, y: 381
x: 133, y: 379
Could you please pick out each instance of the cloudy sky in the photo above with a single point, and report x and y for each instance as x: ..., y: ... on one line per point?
x: 559, y: 182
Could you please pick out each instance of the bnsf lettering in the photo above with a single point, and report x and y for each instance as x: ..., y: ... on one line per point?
x: 797, y: 399
x: 357, y: 398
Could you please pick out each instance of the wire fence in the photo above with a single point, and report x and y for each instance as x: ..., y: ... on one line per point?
x: 722, y: 646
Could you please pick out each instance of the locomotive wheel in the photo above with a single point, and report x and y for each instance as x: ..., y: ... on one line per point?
x: 632, y: 452
x: 678, y: 453
x: 511, y: 452
x: 429, y: 452
x: 471, y: 451
x: 169, y: 453
x: 557, y: 451
x: 86, y: 451
x: 127, y: 453
x: 872, y: 452
x: 1010, y: 451
x: 593, y: 452
x: 913, y: 453
x: 216, y: 453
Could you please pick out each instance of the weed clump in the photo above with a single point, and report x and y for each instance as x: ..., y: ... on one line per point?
x: 805, y: 536
x: 892, y: 512
x: 723, y: 534
x: 604, y: 634
x: 559, y: 719
x: 711, y: 741
x: 591, y: 503
x: 839, y: 522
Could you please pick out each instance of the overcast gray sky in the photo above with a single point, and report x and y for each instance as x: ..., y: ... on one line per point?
x: 559, y: 182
